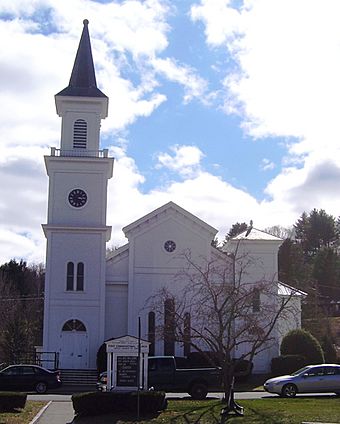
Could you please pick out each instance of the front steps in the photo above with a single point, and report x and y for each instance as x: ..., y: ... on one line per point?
x: 86, y: 379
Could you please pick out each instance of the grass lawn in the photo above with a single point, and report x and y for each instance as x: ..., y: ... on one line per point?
x: 22, y: 416
x: 259, y: 411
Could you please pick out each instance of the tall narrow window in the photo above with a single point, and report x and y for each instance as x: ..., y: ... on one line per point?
x: 80, y: 276
x: 79, y: 134
x: 75, y: 282
x: 186, y: 330
x: 70, y: 276
x: 151, y: 333
x: 169, y: 327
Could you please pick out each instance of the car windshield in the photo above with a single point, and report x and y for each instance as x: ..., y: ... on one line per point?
x: 300, y: 371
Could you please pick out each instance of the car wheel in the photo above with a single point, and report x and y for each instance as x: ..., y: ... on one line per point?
x: 198, y: 391
x: 289, y: 390
x: 41, y: 387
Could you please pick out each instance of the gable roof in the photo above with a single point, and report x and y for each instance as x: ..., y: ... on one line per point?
x: 173, y: 207
x: 116, y: 252
x: 286, y: 290
x: 255, y: 234
x: 83, y: 78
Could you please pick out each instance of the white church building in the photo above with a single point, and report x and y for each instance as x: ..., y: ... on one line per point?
x: 89, y: 297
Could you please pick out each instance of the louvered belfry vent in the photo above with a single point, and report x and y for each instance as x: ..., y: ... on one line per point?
x: 80, y: 134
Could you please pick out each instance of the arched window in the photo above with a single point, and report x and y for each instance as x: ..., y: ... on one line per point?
x: 79, y: 134
x: 75, y: 282
x: 186, y: 331
x: 169, y: 327
x: 74, y: 325
x: 80, y: 276
x: 151, y: 332
x: 70, y: 276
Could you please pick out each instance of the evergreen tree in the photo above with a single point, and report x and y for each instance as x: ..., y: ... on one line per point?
x: 316, y: 230
x: 293, y: 269
x: 326, y: 272
x: 235, y: 230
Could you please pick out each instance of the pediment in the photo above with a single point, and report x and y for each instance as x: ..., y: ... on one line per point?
x: 169, y: 210
x: 127, y: 344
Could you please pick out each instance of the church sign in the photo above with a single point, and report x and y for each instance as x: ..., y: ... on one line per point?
x: 127, y: 371
x: 124, y: 368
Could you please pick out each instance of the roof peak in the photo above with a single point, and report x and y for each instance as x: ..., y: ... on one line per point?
x: 161, y: 210
x: 83, y: 77
x: 253, y: 233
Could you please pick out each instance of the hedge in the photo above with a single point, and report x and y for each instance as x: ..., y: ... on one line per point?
x: 12, y: 400
x: 98, y: 403
x: 286, y: 364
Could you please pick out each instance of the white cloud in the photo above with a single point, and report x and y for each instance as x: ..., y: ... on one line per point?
x: 286, y: 85
x: 267, y: 165
x: 195, y: 86
x: 220, y: 19
x: 185, y: 160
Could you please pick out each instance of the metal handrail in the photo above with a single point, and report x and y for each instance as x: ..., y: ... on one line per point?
x: 49, y: 360
x: 80, y: 153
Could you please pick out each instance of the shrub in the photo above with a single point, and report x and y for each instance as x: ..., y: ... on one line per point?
x: 12, y: 400
x: 98, y: 403
x: 286, y: 364
x: 301, y: 342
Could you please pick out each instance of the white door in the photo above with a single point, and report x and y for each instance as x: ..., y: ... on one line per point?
x: 73, y: 350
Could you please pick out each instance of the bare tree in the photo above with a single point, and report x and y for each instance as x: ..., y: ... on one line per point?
x: 229, y: 314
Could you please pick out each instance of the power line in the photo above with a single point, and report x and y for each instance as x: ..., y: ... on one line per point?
x: 21, y: 298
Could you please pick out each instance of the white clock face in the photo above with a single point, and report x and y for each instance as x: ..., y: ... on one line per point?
x: 77, y: 198
x: 169, y: 246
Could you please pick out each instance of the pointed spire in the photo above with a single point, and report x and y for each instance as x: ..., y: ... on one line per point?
x: 83, y: 77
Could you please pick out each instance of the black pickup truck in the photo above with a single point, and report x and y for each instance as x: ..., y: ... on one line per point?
x: 164, y: 375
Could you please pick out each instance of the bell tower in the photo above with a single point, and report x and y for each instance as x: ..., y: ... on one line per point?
x: 76, y: 229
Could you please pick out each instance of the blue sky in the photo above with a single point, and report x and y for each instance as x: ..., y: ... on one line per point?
x: 228, y: 108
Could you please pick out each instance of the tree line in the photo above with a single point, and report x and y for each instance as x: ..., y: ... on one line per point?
x: 21, y: 309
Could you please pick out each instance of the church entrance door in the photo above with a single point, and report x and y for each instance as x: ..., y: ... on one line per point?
x: 73, y: 345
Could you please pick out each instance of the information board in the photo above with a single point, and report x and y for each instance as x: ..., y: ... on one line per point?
x: 127, y: 371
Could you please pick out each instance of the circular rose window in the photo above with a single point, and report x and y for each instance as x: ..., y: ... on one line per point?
x: 169, y: 246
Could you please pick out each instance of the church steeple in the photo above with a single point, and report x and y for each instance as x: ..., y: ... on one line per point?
x: 76, y: 229
x: 83, y: 78
x: 81, y: 105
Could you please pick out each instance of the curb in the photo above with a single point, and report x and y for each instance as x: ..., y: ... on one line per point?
x: 39, y: 414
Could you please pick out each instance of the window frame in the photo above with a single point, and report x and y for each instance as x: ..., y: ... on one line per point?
x: 75, y: 276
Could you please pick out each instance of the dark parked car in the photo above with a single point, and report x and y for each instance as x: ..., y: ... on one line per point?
x: 29, y: 377
x: 310, y: 379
